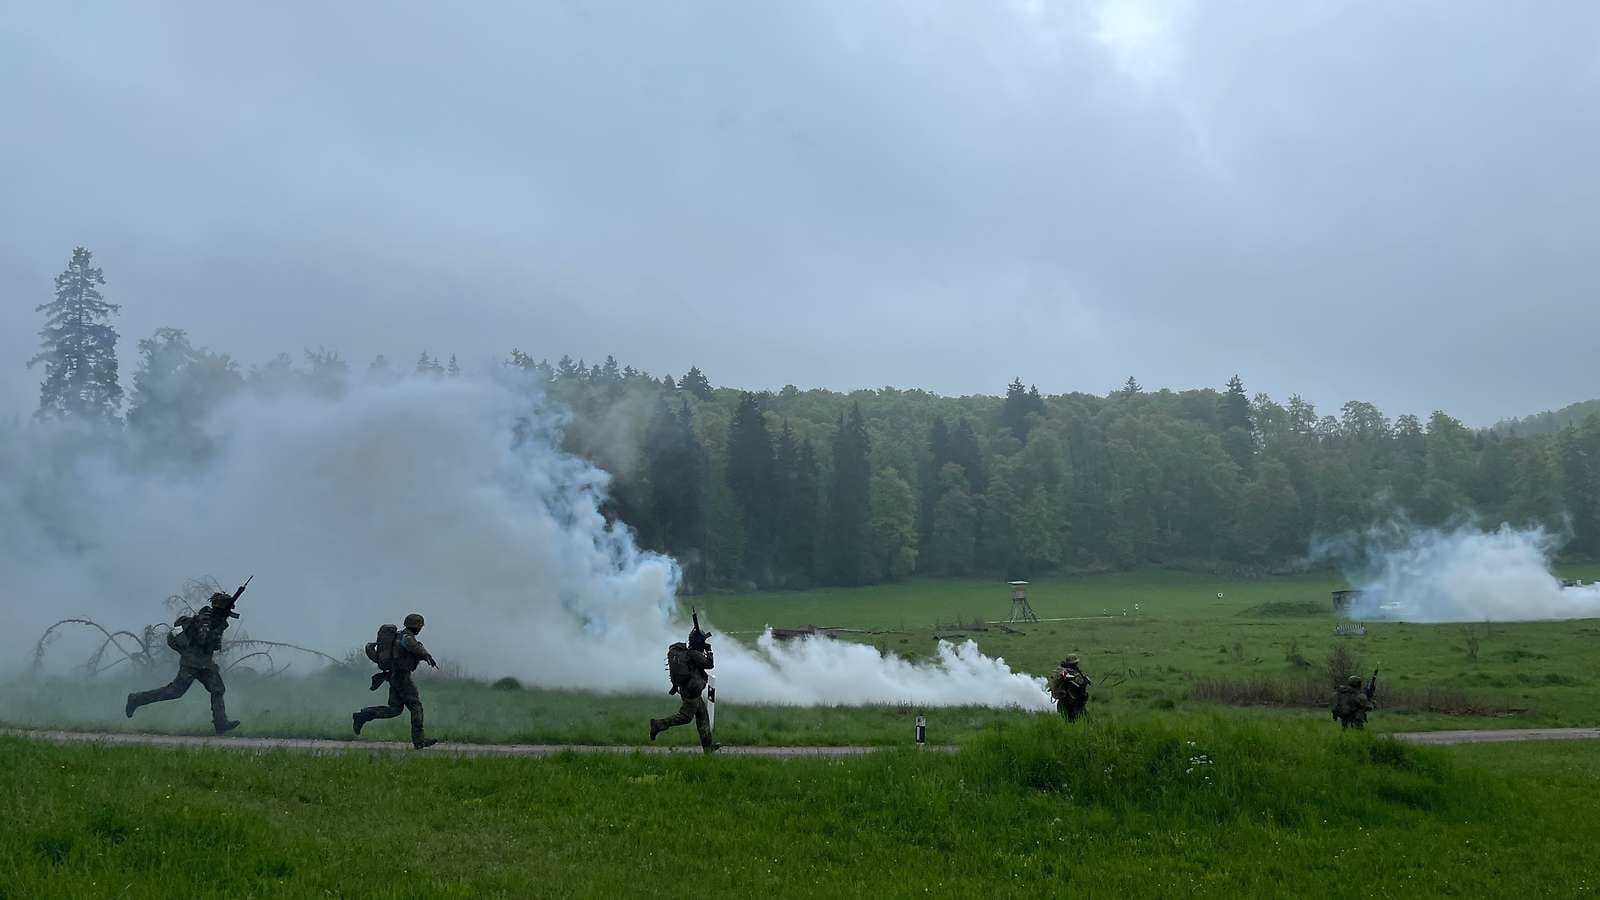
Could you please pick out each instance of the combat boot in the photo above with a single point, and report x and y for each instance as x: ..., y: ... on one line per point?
x: 225, y: 727
x: 423, y: 743
x: 128, y: 709
x: 356, y: 721
x: 655, y: 727
x: 712, y: 747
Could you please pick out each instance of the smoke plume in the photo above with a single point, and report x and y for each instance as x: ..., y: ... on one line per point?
x: 1460, y: 575
x: 443, y: 496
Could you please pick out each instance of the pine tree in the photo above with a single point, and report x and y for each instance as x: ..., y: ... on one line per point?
x: 800, y: 548
x: 795, y: 500
x: 750, y: 477
x: 1130, y: 388
x: 696, y: 383
x: 453, y: 369
x: 427, y: 365
x: 849, y: 506
x: 1238, y: 433
x: 1014, y: 411
x: 380, y: 365
x: 676, y: 471
x: 78, y: 347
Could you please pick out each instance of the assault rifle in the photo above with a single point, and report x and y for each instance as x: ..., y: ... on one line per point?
x: 698, y: 639
x: 1372, y: 684
x: 227, y: 606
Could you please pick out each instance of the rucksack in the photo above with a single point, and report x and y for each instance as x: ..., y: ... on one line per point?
x: 678, y: 668
x: 178, y: 637
x: 382, y: 650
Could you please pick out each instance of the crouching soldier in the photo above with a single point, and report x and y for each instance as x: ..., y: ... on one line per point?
x: 1351, y: 703
x: 1069, y: 688
x: 397, y: 653
x: 197, y: 638
x: 687, y: 665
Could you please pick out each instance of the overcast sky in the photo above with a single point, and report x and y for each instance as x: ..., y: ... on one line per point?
x: 1390, y: 202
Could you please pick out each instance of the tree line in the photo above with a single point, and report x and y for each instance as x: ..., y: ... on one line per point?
x: 796, y: 488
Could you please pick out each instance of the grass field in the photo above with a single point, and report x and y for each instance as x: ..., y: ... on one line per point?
x: 1164, y: 630
x: 1162, y: 805
x: 1165, y: 633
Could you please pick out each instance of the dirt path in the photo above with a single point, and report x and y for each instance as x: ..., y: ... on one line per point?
x: 1492, y: 736
x: 318, y: 745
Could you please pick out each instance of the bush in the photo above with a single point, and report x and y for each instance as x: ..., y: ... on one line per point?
x: 507, y: 684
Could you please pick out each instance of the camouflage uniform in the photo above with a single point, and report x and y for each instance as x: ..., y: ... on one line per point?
x: 1351, y: 704
x: 688, y: 668
x: 195, y: 663
x: 1069, y: 688
x: 403, y: 695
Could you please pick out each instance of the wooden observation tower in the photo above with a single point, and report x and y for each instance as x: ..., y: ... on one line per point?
x: 1020, y: 610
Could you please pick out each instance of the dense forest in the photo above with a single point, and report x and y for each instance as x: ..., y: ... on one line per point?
x: 801, y: 487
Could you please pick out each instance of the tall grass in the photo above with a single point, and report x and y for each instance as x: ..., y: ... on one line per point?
x: 1185, y: 805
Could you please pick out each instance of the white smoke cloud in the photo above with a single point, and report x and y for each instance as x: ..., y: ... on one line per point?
x: 442, y: 496
x: 1464, y: 575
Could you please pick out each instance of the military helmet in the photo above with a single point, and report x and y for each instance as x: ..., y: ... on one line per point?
x: 414, y: 620
x: 1071, y: 660
x: 220, y: 599
x: 1355, y: 681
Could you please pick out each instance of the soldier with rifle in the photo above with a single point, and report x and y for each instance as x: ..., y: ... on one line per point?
x: 197, y: 638
x: 687, y: 664
x: 1352, y: 702
x: 398, y: 653
x: 1069, y: 688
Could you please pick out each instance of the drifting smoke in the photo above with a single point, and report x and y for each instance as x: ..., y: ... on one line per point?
x: 444, y: 496
x: 1461, y: 575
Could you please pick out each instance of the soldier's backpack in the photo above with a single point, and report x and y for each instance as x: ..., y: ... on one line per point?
x: 382, y: 650
x: 178, y: 636
x: 678, y: 668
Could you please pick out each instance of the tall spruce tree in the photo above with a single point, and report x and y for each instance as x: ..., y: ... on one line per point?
x: 1014, y: 411
x: 1238, y: 434
x: 676, y: 471
x: 695, y: 382
x: 78, y: 347
x: 795, y: 500
x: 849, y: 500
x: 750, y: 477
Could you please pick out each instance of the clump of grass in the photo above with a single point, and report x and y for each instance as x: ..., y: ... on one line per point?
x: 1283, y: 609
x: 1209, y: 770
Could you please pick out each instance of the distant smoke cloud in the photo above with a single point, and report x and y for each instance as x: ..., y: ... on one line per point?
x: 444, y: 496
x: 1460, y: 575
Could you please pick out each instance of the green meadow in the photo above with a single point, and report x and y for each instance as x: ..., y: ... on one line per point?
x: 1154, y: 642
x: 1174, y: 804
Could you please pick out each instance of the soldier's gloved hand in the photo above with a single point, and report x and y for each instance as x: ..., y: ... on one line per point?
x: 432, y: 663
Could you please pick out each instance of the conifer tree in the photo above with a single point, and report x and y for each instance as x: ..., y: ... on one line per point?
x: 78, y: 347
x: 696, y: 383
x: 750, y: 477
x: 453, y: 369
x: 849, y: 506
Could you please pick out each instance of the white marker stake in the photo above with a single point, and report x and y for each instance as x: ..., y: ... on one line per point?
x: 711, y: 700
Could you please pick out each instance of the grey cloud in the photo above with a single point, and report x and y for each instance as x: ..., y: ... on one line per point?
x: 1389, y: 203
